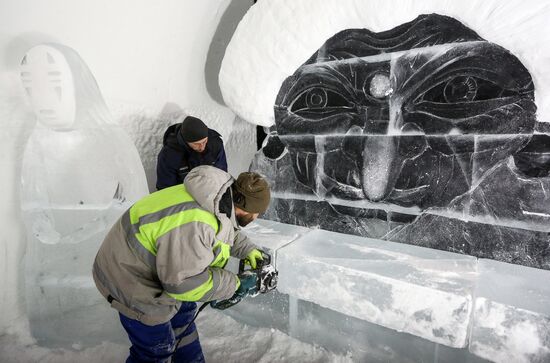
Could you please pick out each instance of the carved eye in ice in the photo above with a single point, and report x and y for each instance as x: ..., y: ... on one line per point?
x: 380, y: 86
x: 318, y: 100
x: 460, y: 89
x: 464, y: 89
x: 49, y: 85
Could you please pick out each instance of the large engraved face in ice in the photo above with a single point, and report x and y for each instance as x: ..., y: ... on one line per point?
x: 411, y: 116
x: 49, y: 85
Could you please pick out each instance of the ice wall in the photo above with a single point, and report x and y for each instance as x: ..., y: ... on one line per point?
x: 424, y: 133
x: 383, y: 301
x: 423, y: 123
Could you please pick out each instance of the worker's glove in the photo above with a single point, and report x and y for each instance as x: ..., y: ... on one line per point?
x: 252, y: 258
x: 248, y: 285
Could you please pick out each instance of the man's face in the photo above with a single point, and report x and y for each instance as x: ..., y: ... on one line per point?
x: 199, y: 146
x: 417, y: 126
x: 244, y: 219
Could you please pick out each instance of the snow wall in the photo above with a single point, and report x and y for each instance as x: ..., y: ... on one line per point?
x: 153, y: 64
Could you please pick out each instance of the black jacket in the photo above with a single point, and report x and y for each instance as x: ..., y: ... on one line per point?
x: 176, y: 158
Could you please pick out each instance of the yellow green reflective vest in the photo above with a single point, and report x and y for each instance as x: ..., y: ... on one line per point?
x: 170, y: 219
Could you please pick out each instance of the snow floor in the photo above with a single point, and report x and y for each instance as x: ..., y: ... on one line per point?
x: 223, y: 339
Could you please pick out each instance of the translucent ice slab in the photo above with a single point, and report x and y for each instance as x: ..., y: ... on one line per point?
x: 381, y: 301
x: 424, y: 292
x: 511, y: 320
x: 266, y: 310
x: 63, y: 305
x: 271, y: 235
x: 334, y: 330
x: 367, y: 342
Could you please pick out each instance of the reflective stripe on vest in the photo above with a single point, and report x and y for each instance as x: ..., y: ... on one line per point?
x: 196, y: 287
x: 160, y: 213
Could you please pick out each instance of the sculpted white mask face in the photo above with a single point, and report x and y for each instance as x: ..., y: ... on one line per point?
x: 49, y: 85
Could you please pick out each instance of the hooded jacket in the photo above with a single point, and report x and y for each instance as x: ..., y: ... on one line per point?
x: 171, y: 246
x: 176, y: 158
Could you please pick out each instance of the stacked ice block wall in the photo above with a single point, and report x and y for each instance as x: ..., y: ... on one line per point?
x: 424, y: 125
x: 383, y: 301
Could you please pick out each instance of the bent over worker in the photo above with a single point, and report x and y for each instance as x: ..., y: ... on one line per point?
x: 168, y: 251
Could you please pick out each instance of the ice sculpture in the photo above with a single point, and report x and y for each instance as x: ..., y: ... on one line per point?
x: 425, y: 134
x: 421, y: 134
x: 80, y: 172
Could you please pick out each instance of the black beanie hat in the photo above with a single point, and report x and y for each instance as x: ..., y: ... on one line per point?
x: 193, y: 129
x: 253, y: 194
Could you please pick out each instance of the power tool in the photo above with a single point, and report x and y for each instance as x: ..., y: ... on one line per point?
x: 267, y: 277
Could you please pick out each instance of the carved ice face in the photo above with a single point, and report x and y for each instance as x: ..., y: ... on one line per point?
x: 49, y: 85
x: 412, y: 116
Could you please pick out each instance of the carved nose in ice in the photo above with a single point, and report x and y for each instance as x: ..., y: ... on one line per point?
x: 378, y: 156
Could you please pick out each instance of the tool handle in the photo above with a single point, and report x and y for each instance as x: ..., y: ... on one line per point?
x: 266, y: 261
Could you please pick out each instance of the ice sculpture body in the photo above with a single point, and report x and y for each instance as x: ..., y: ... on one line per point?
x: 80, y: 172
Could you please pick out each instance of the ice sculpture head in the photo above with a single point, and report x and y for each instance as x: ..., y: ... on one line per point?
x: 402, y: 116
x: 49, y: 85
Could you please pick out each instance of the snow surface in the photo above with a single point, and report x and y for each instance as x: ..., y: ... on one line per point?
x: 276, y: 37
x: 223, y: 340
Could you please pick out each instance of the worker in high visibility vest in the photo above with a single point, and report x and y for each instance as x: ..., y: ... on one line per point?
x: 168, y: 251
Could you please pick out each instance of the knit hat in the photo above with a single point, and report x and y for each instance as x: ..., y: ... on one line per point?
x: 251, y: 193
x: 193, y: 129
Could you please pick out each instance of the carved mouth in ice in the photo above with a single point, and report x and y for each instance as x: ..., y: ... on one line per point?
x: 408, y: 195
x: 348, y: 191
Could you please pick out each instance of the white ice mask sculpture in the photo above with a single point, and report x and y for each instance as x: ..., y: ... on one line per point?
x: 49, y: 85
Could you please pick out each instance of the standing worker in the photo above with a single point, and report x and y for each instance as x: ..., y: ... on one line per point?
x: 168, y: 251
x: 186, y: 146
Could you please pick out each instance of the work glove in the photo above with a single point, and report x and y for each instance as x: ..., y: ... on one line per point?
x: 252, y: 258
x: 247, y: 284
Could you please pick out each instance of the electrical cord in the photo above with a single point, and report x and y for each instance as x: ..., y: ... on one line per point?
x: 187, y: 327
